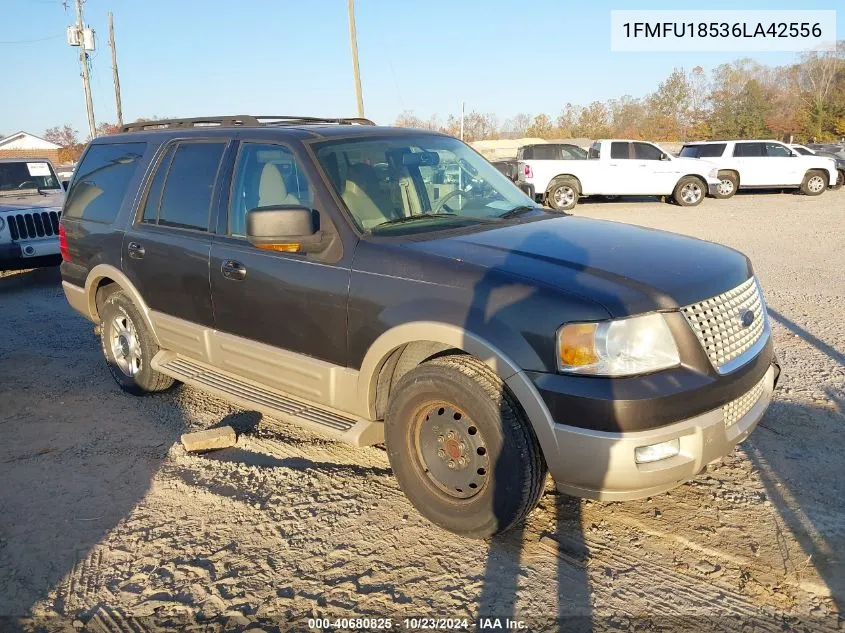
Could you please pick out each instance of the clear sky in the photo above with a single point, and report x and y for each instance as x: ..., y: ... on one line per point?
x: 205, y: 57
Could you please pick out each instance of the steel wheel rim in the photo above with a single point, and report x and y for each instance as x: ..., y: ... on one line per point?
x: 815, y: 183
x: 564, y: 196
x: 691, y: 192
x: 726, y: 187
x: 125, y: 346
x: 451, y: 451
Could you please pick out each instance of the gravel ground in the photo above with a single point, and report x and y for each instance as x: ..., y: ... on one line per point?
x: 107, y: 524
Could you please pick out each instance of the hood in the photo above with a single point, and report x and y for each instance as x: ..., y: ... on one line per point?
x: 627, y: 269
x: 25, y: 202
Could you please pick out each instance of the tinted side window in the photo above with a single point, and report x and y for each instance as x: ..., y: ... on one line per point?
x: 750, y: 150
x: 572, y: 152
x: 619, y: 150
x: 186, y: 198
x: 101, y: 181
x: 546, y: 152
x: 265, y: 175
x: 777, y: 150
x: 646, y: 151
x: 154, y: 194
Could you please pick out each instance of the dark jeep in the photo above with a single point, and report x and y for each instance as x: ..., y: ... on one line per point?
x: 390, y: 285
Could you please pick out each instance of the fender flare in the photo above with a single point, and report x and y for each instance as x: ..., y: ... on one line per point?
x: 107, y: 271
x: 457, y: 337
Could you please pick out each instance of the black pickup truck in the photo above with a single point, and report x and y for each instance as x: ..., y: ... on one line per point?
x: 387, y: 285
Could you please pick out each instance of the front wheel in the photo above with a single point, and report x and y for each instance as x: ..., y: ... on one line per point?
x: 814, y: 183
x: 689, y: 192
x: 461, y: 447
x: 728, y: 184
x: 563, y: 193
x: 128, y: 347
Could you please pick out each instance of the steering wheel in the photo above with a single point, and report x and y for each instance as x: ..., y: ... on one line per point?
x: 439, y: 204
x: 24, y: 184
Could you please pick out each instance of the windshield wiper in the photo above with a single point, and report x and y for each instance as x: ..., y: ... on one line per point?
x: 516, y: 211
x: 418, y: 216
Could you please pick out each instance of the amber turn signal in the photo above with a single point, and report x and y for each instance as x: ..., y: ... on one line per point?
x: 576, y: 344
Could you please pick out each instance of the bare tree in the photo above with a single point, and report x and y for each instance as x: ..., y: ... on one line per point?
x: 62, y: 135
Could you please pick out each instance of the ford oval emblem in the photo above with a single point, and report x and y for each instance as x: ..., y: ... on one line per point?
x: 747, y: 318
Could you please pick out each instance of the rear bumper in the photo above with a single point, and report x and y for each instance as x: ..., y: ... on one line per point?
x: 602, y: 465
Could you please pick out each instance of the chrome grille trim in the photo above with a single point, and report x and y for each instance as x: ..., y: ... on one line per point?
x: 734, y: 410
x: 717, y: 323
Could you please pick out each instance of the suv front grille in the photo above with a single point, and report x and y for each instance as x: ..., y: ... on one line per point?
x: 718, y: 324
x: 32, y: 224
x: 736, y: 409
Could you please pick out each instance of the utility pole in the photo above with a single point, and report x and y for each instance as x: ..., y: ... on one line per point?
x: 114, y: 70
x: 356, y: 72
x: 83, y: 62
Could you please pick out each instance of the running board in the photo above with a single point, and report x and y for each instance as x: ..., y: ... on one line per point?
x: 246, y: 393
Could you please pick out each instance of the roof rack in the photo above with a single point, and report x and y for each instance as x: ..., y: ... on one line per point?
x: 245, y: 120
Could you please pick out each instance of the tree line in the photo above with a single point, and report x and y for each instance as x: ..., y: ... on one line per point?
x: 741, y: 99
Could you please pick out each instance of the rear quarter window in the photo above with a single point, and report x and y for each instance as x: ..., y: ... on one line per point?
x: 101, y: 181
x: 711, y: 150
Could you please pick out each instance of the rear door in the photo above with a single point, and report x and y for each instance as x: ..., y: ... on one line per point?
x: 166, y: 251
x: 622, y: 173
x: 755, y: 168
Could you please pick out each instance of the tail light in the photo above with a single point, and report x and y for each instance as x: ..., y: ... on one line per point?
x: 526, y: 171
x: 63, y: 243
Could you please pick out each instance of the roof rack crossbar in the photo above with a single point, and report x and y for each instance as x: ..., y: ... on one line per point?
x: 245, y: 120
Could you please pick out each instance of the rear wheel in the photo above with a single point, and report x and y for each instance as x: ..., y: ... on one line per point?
x: 563, y: 193
x: 689, y: 191
x: 728, y: 184
x: 814, y: 183
x: 461, y: 447
x: 128, y: 347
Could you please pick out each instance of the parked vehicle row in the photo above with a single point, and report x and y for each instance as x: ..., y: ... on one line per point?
x: 389, y: 285
x: 616, y: 167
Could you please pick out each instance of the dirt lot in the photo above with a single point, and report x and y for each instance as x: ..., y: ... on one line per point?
x: 106, y: 523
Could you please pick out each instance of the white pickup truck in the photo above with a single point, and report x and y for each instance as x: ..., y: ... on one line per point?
x: 618, y: 168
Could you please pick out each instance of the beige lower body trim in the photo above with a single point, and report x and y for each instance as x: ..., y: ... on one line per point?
x: 320, y: 382
x: 77, y: 298
x: 600, y: 465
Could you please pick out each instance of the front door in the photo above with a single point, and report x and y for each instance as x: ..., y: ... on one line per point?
x: 623, y: 175
x: 165, y: 253
x: 281, y: 317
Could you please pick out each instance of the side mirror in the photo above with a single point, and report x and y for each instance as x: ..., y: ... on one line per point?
x: 664, y: 156
x: 65, y: 183
x: 285, y: 228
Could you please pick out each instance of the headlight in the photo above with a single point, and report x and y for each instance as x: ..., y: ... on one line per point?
x: 714, y: 173
x: 622, y: 347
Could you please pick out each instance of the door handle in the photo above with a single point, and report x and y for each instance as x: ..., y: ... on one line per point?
x: 136, y: 251
x: 233, y: 270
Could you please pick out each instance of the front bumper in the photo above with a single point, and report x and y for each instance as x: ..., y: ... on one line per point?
x: 30, y: 249
x: 601, y: 465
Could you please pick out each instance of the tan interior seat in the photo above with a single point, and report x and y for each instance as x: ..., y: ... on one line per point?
x: 271, y: 188
x: 364, y: 197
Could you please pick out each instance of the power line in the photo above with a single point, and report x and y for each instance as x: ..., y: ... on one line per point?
x: 40, y: 39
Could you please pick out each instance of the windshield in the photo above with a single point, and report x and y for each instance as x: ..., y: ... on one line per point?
x: 27, y: 175
x: 412, y: 184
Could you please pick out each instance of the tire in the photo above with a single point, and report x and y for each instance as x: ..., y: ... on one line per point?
x: 563, y: 192
x: 814, y: 183
x: 728, y: 184
x: 124, y: 331
x: 456, y: 408
x: 689, y: 192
